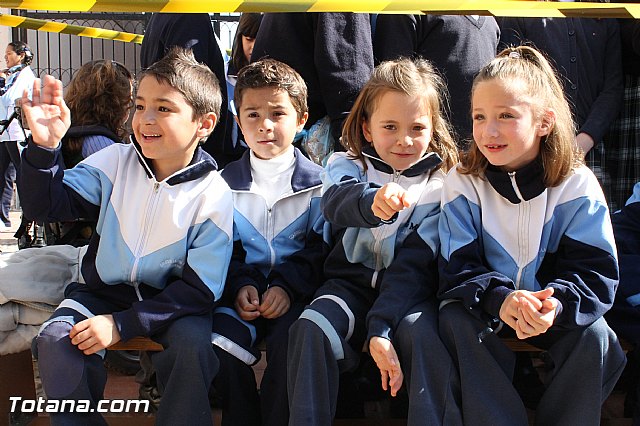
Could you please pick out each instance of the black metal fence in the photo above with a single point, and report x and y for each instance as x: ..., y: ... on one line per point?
x: 61, y: 54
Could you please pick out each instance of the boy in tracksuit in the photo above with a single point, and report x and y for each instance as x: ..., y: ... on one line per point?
x: 158, y: 260
x: 278, y: 246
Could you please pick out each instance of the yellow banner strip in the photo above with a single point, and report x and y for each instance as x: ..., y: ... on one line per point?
x: 522, y: 8
x: 60, y: 27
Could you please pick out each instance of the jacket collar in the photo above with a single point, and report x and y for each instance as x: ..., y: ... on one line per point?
x: 306, y: 174
x: 426, y: 164
x: 201, y: 164
x: 529, y: 180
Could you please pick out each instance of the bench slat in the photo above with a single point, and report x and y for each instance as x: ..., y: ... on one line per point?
x: 137, y: 344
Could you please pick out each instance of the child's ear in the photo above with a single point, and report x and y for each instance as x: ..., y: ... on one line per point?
x: 302, y: 121
x: 235, y: 117
x: 546, y: 123
x: 366, y: 132
x: 207, y: 124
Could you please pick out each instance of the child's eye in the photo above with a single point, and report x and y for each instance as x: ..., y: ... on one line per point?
x: 163, y: 109
x: 252, y: 115
x: 478, y: 117
x: 139, y: 107
x: 390, y: 127
x: 418, y: 128
x: 506, y: 115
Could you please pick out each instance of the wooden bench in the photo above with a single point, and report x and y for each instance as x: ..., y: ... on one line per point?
x: 146, y: 344
x: 18, y: 370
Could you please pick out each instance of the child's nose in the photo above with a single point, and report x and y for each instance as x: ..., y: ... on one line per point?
x: 491, y: 129
x: 405, y: 140
x: 267, y: 125
x: 147, y: 116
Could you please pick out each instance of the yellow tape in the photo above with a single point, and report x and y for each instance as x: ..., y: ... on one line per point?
x: 60, y: 27
x: 523, y: 8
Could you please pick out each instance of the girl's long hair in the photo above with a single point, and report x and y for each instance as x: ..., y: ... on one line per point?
x: 558, y: 150
x: 412, y: 77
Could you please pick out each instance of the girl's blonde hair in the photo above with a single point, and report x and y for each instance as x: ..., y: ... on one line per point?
x: 413, y: 77
x: 558, y: 149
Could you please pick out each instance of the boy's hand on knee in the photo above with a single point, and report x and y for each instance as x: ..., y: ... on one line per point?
x: 94, y: 334
x: 46, y: 112
x: 384, y: 354
x: 389, y: 200
x: 275, y: 303
x: 247, y: 303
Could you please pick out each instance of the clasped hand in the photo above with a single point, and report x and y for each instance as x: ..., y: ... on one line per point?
x: 275, y: 303
x: 529, y: 313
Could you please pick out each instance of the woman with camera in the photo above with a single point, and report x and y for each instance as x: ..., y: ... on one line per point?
x: 18, y: 76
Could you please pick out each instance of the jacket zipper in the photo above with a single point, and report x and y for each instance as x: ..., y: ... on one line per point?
x: 144, y: 236
x: 523, y: 234
x: 377, y: 244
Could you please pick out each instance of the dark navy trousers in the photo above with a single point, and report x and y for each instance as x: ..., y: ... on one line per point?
x: 185, y: 368
x: 235, y: 342
x: 582, y: 365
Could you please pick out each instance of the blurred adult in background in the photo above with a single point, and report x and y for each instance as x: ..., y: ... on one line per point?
x: 457, y: 45
x: 243, y: 43
x: 18, y: 77
x: 244, y: 40
x: 193, y: 31
x: 586, y: 54
x: 623, y: 157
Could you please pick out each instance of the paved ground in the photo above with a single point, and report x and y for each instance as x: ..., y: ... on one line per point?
x: 9, y: 244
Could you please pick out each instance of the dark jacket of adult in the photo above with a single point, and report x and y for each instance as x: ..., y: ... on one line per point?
x: 586, y: 54
x: 194, y: 31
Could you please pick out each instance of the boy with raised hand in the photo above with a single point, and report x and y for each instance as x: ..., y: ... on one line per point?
x: 158, y: 260
x: 278, y: 246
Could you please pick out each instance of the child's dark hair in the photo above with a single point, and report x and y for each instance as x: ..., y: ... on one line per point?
x: 21, y: 47
x: 558, y: 150
x: 195, y: 81
x: 271, y: 73
x: 248, y: 26
x: 412, y: 77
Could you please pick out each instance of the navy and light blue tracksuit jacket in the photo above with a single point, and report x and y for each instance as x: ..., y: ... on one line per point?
x: 624, y: 317
x: 396, y: 257
x: 281, y: 245
x: 507, y: 231
x: 173, y: 237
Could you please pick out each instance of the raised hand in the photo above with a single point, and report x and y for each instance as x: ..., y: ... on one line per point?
x: 47, y: 114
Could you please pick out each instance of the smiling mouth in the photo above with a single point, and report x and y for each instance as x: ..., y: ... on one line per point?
x: 150, y: 135
x: 495, y: 146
